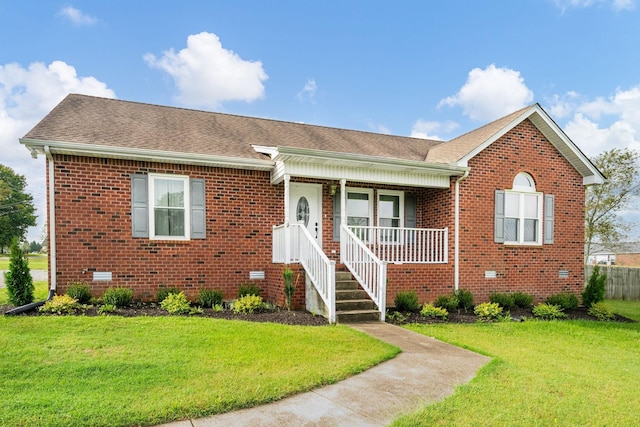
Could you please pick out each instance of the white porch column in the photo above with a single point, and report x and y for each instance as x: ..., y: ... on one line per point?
x: 343, y: 215
x: 287, y: 229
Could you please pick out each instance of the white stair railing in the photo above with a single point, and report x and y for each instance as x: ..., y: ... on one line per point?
x: 303, y: 248
x: 366, y: 267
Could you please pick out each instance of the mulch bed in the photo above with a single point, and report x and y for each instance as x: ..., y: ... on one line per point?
x: 304, y: 318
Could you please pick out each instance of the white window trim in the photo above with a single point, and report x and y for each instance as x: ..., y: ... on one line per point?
x: 400, y: 195
x: 187, y: 206
x: 521, y: 196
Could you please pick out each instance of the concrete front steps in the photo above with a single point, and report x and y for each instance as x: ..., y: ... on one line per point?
x: 352, y: 302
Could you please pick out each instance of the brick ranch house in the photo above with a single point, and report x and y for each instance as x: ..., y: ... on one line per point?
x: 143, y: 195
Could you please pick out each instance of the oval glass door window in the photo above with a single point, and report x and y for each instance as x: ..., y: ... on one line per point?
x: 302, y: 211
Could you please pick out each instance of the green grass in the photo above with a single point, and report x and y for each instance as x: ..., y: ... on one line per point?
x: 40, y: 292
x: 629, y: 309
x: 36, y: 262
x: 558, y: 373
x: 112, y: 371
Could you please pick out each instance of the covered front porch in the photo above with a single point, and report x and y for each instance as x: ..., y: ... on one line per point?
x: 362, y: 215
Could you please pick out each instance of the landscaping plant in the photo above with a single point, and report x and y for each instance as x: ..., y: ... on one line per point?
x: 248, y: 289
x: 210, y: 298
x: 465, y: 299
x: 18, y: 278
x: 429, y: 310
x: 548, y: 311
x: 595, y: 289
x: 504, y: 300
x: 448, y: 302
x: 119, y: 297
x: 565, y: 300
x: 164, y: 291
x: 60, y: 304
x: 488, y: 311
x: 79, y: 291
x: 407, y: 301
x: 289, y: 287
x: 601, y: 311
x: 176, y: 304
x: 247, y: 304
x: 522, y: 300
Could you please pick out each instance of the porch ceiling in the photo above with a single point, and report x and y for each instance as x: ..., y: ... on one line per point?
x: 361, y: 168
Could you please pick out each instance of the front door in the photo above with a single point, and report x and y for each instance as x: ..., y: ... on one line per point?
x: 305, y: 207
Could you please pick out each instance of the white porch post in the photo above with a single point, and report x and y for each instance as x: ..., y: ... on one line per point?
x: 343, y: 216
x: 287, y: 229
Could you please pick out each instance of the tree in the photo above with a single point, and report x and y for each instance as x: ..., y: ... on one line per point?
x: 604, y: 202
x: 17, y: 213
x: 18, y: 278
x: 35, y: 246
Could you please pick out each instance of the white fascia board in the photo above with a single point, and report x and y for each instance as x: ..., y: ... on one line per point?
x: 100, y: 151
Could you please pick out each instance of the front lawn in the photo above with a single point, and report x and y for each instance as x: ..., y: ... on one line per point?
x: 113, y: 371
x: 36, y: 262
x: 557, y: 373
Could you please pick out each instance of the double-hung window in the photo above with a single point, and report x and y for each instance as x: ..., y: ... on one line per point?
x: 520, y: 213
x: 390, y: 215
x: 167, y: 207
x: 360, y: 211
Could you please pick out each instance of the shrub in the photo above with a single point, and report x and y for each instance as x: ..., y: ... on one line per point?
x: 396, y: 316
x: 289, y: 287
x: 106, y: 309
x: 176, y: 304
x: 565, y: 300
x: 465, y: 299
x: 407, y: 301
x: 429, y: 310
x: 18, y: 278
x: 247, y: 304
x: 119, y: 297
x: 248, y: 289
x: 164, y: 292
x: 448, y: 302
x: 60, y: 304
x: 548, y: 311
x: 79, y: 291
x: 600, y: 311
x: 522, y: 300
x: 488, y: 311
x: 594, y: 291
x: 210, y: 298
x: 502, y: 299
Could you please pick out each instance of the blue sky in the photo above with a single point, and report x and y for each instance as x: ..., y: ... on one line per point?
x: 415, y: 68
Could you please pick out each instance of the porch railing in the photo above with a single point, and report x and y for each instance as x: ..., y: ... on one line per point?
x: 304, y: 249
x: 406, y: 245
x: 366, y: 267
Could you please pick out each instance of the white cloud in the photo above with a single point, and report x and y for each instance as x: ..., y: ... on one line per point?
x: 206, y: 74
x: 602, y: 124
x: 76, y: 16
x: 615, y: 4
x: 308, y: 92
x: 26, y: 96
x: 430, y: 129
x: 490, y: 93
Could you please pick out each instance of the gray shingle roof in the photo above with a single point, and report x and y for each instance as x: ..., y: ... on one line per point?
x: 124, y: 124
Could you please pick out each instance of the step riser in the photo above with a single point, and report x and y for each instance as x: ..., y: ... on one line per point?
x: 348, y: 295
x: 354, y: 305
x: 355, y: 318
x: 347, y: 285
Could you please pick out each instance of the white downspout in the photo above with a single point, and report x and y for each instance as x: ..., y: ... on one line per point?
x: 456, y: 233
x: 52, y: 225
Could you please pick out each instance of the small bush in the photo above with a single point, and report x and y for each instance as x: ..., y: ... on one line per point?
x: 60, y: 304
x: 106, y: 309
x: 522, y: 300
x: 396, y: 316
x: 119, y: 297
x: 164, y: 292
x: 210, y: 298
x: 289, y: 286
x: 429, y: 310
x: 504, y: 300
x: 465, y: 299
x: 218, y: 308
x: 488, y: 311
x: 79, y: 291
x: 407, y: 301
x: 176, y: 304
x: 247, y: 304
x: 565, y: 300
x: 601, y: 312
x: 448, y: 302
x: 248, y: 289
x: 548, y: 311
x: 595, y: 289
x: 18, y: 279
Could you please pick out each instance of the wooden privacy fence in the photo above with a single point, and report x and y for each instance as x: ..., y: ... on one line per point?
x: 622, y: 282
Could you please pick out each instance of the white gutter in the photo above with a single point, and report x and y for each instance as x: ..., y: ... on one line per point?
x: 456, y: 233
x: 52, y: 224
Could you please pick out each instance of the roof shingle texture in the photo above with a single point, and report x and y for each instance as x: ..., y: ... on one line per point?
x: 123, y: 124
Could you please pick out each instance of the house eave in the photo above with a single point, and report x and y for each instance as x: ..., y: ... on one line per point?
x: 36, y: 146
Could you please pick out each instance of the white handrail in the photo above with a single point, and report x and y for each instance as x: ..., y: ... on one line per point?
x: 366, y: 267
x: 406, y: 245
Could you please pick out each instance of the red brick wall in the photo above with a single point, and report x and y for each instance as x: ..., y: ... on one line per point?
x: 534, y: 270
x: 93, y: 216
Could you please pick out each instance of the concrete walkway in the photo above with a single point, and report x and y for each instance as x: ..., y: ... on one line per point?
x: 426, y: 371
